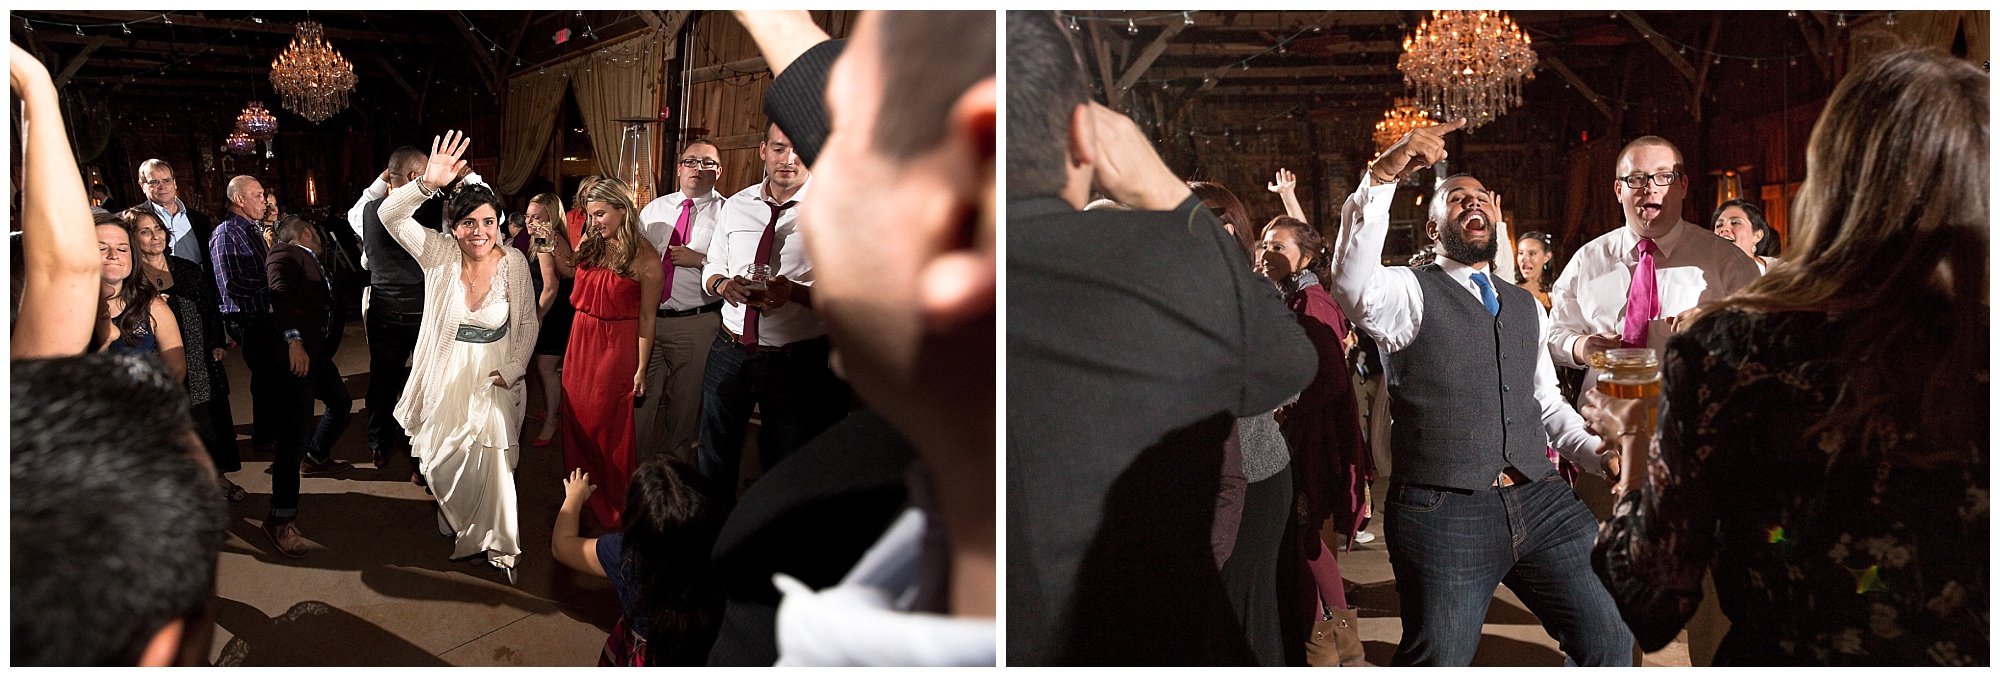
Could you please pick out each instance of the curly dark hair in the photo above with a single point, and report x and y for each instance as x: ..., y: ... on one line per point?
x: 1548, y: 277
x: 469, y: 198
x: 1766, y: 247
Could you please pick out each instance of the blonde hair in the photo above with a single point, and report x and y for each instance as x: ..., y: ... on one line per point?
x: 594, y: 250
x: 552, y: 205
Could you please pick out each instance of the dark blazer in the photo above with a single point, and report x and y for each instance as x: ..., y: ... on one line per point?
x: 299, y: 298
x: 811, y: 517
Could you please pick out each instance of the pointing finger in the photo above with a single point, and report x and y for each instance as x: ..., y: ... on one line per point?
x: 1449, y: 127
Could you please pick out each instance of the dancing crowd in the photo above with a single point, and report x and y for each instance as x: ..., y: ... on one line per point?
x: 1817, y: 448
x: 861, y: 339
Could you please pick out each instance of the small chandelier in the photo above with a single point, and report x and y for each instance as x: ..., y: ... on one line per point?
x: 239, y: 143
x: 256, y: 121
x: 313, y: 78
x: 1467, y: 64
x: 1398, y: 121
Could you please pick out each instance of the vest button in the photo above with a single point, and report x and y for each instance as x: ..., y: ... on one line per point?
x: 1505, y: 389
x: 1510, y: 421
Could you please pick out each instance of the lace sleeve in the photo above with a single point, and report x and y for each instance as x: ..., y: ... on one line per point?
x: 521, y: 305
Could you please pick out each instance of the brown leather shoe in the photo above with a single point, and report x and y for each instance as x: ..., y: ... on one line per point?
x: 284, y: 535
x: 308, y: 468
x: 381, y: 459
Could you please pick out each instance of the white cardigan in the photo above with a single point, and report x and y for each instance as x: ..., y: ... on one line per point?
x: 438, y: 254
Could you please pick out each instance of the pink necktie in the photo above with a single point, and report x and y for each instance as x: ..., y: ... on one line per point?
x: 1642, y: 303
x: 750, y: 315
x: 678, y: 239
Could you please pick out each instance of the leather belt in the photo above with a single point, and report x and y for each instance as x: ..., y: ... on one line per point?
x: 669, y: 312
x: 793, y: 347
x: 475, y: 334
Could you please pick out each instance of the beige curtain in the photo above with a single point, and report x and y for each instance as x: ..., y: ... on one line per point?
x: 620, y: 81
x: 534, y: 101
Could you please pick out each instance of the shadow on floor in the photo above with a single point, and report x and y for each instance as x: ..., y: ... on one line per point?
x: 310, y: 634
x: 1494, y: 650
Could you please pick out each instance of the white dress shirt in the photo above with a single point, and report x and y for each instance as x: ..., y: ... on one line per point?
x: 869, y: 618
x: 1692, y: 266
x: 182, y: 241
x: 734, y: 245
x: 1388, y: 303
x: 657, y: 221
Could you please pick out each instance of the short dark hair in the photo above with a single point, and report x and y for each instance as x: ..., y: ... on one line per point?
x: 1045, y: 84
x: 407, y: 159
x: 468, y: 198
x: 1766, y: 247
x: 290, y: 229
x: 119, y: 519
x: 929, y: 59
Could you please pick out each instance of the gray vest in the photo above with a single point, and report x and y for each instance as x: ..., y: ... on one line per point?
x: 1462, y: 393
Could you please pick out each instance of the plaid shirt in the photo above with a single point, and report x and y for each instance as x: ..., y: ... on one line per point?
x: 238, y: 249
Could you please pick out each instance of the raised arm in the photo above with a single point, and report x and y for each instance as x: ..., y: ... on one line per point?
x: 1286, y: 185
x: 1503, y: 256
x: 430, y: 248
x: 781, y: 35
x: 60, y: 264
x: 1386, y: 303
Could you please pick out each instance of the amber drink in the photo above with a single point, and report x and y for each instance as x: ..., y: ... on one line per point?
x: 1627, y: 373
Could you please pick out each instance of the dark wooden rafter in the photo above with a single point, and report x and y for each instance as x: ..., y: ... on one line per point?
x: 1282, y: 72
x: 174, y: 49
x: 1101, y: 46
x: 79, y: 60
x: 1659, y: 43
x: 514, y: 45
x: 1701, y: 74
x: 390, y: 68
x: 672, y: 21
x: 1145, y: 60
x: 1181, y: 49
x: 1816, y: 41
x: 190, y: 21
x: 1563, y: 70
x: 481, y: 58
x: 755, y: 64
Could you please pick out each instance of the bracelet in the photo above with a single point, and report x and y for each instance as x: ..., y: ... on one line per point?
x: 424, y: 190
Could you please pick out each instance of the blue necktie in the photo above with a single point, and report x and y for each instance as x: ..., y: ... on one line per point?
x: 1486, y: 294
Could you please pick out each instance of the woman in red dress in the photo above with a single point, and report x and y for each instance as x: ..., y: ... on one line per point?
x: 608, y: 344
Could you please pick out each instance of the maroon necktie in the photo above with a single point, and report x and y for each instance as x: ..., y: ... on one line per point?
x: 678, y: 239
x: 763, y: 256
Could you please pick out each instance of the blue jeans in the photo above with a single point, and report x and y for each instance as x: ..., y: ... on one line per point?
x: 1450, y: 548
x: 795, y: 393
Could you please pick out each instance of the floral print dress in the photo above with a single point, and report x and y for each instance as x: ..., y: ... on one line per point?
x: 1823, y: 551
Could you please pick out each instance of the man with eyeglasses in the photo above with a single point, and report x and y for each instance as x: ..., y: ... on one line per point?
x: 1625, y: 288
x: 187, y: 229
x: 680, y: 226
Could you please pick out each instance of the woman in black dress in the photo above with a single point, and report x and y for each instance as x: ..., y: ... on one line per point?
x: 554, y: 309
x: 1823, y: 444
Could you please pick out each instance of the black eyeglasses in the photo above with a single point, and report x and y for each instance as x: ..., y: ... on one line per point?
x: 699, y: 163
x: 1637, y: 181
x: 156, y: 183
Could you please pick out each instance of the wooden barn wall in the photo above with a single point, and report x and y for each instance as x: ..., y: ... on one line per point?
x: 730, y: 110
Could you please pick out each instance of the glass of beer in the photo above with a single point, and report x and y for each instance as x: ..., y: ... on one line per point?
x: 759, y: 276
x: 1627, y: 373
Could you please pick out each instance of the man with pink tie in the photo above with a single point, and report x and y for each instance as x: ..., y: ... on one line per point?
x: 680, y: 226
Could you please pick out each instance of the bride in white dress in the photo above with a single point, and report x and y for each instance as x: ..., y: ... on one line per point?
x: 463, y: 404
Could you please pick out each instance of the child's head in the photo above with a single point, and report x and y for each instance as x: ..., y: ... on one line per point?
x: 670, y: 527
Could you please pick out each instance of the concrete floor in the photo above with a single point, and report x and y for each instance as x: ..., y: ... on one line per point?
x: 378, y: 588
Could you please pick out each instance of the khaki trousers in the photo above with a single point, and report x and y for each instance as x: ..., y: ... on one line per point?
x: 669, y: 417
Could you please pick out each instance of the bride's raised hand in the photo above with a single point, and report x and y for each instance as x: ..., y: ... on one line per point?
x: 444, y: 162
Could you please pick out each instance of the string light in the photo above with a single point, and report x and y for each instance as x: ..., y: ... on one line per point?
x: 1131, y: 28
x: 1187, y: 19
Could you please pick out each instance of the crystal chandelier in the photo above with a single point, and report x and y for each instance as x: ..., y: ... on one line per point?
x: 313, y: 78
x: 1467, y: 64
x: 1398, y: 121
x: 256, y: 121
x: 239, y: 143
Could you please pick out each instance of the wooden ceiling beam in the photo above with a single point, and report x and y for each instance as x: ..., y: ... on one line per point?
x: 1290, y: 21
x: 1560, y: 68
x: 175, y: 49
x: 79, y: 60
x: 489, y: 74
x: 1659, y: 43
x: 1145, y: 60
x: 1256, y: 71
x: 269, y: 26
x: 1227, y: 89
x: 1239, y: 49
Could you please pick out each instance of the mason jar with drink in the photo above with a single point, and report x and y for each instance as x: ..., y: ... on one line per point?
x: 1631, y: 374
x: 758, y: 282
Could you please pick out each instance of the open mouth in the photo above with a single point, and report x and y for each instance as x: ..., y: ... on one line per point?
x: 1474, y: 222
x: 1649, y: 211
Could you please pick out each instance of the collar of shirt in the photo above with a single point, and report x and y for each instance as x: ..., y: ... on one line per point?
x: 1628, y: 241
x: 796, y: 197
x: 867, y: 619
x: 180, y: 208
x: 1463, y: 275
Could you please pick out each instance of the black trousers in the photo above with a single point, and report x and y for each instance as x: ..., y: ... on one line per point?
x: 794, y: 391
x: 1251, y: 574
x: 264, y: 354
x: 299, y: 439
x: 392, y: 337
x: 210, y: 427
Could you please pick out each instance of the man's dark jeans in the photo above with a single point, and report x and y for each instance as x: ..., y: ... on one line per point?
x: 1450, y: 549
x: 391, y: 338
x: 796, y: 394
x: 264, y: 354
x: 299, y: 439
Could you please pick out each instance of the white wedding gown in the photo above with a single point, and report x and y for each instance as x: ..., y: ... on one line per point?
x: 468, y: 448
